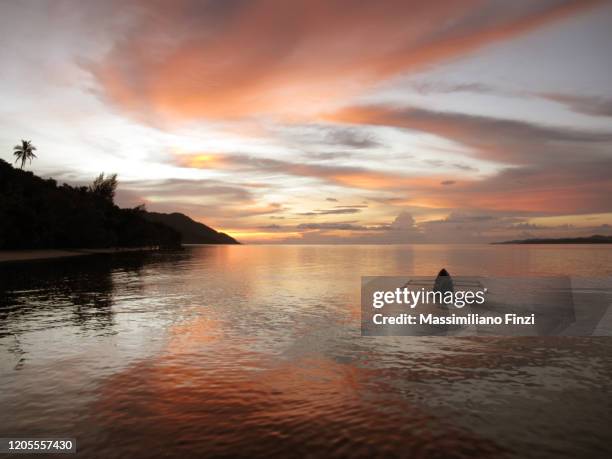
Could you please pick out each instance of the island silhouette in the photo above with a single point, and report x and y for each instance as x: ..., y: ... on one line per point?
x: 37, y: 213
x: 594, y: 239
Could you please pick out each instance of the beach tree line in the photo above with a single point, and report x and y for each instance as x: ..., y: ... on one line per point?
x: 37, y: 213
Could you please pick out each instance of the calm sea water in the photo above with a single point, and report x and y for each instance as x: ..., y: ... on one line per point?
x: 255, y: 351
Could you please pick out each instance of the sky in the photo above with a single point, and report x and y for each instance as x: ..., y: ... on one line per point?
x: 324, y: 121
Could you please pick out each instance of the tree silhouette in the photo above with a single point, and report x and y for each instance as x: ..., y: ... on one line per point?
x: 104, y: 187
x: 36, y: 213
x: 24, y: 152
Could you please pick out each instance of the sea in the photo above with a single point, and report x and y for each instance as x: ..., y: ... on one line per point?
x: 256, y: 351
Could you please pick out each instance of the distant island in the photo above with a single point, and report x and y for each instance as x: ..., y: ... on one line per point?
x: 37, y: 213
x: 595, y: 239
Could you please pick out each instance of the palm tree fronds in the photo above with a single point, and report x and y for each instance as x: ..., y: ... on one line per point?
x: 24, y: 152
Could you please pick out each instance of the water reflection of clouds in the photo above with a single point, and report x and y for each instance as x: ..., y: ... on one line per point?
x: 256, y: 351
x: 76, y: 292
x: 242, y: 403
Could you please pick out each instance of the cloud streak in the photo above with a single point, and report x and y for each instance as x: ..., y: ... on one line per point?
x: 587, y: 105
x: 230, y: 59
x: 546, y: 169
x: 506, y: 141
x: 347, y: 176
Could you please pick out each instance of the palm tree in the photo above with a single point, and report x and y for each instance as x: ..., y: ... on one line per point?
x: 24, y: 152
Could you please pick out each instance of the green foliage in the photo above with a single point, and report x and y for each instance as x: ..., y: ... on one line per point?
x: 37, y: 213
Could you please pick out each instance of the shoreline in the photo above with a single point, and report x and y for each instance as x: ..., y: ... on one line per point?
x: 8, y: 256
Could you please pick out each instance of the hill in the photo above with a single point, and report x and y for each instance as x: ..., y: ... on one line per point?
x: 192, y: 232
x: 37, y: 213
x: 595, y: 239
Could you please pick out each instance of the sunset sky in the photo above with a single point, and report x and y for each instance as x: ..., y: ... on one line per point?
x: 310, y: 121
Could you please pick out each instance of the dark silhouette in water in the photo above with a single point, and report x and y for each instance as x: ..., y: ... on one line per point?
x: 444, y: 282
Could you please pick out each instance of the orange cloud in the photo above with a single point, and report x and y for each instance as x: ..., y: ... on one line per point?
x: 200, y: 160
x: 192, y: 59
x: 493, y: 139
x: 353, y: 177
x: 547, y: 174
x: 555, y: 179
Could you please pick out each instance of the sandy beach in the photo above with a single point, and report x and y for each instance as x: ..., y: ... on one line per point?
x: 44, y: 254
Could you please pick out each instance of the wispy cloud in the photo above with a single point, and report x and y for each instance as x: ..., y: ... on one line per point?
x: 234, y: 59
x: 338, y: 211
x: 547, y: 168
x: 347, y: 176
x: 588, y: 105
x: 508, y: 141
